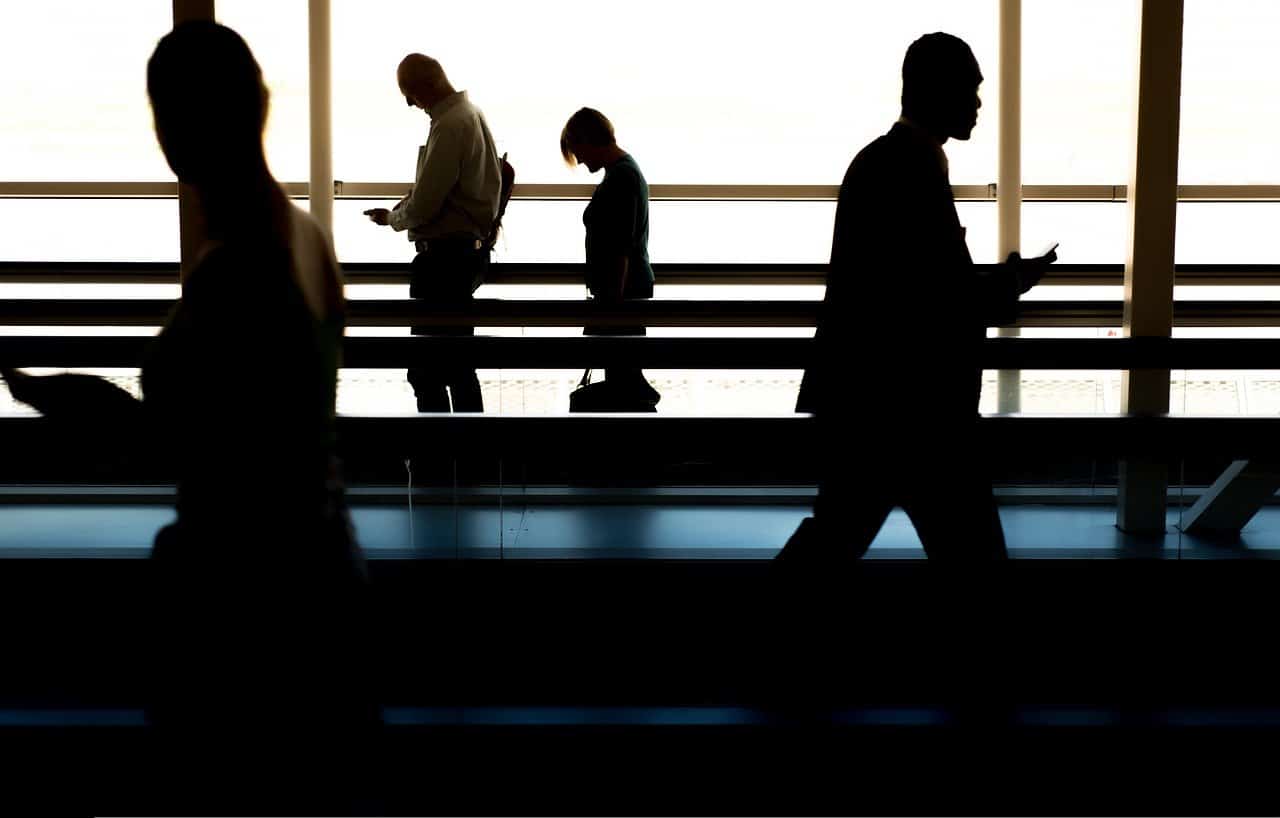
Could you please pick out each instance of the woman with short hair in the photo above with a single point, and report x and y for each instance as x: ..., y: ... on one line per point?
x: 617, y: 240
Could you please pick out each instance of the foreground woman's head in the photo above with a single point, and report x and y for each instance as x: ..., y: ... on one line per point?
x: 209, y: 102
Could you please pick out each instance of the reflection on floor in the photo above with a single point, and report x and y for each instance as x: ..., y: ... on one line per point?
x: 617, y: 531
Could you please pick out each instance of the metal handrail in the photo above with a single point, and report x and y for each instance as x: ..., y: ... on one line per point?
x: 787, y: 441
x: 487, y: 352
x: 18, y: 272
x: 658, y: 191
x: 152, y: 312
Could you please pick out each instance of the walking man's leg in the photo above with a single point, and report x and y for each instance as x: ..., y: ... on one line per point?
x: 954, y: 510
x: 464, y: 385
x: 445, y: 275
x: 427, y: 381
x: 856, y: 491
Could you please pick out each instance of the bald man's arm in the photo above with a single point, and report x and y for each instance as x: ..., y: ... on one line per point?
x: 439, y: 174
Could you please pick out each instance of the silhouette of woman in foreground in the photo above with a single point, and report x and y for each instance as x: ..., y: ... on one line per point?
x: 260, y: 582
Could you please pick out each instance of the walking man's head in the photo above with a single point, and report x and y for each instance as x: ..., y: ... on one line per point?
x: 940, y: 79
x: 208, y: 101
x: 422, y: 81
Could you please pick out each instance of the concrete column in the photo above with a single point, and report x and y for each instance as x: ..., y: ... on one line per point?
x: 1009, y: 174
x: 1148, y: 273
x: 321, y: 96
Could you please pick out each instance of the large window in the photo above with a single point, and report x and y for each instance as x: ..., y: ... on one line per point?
x: 702, y: 93
x: 87, y: 230
x: 1078, y: 62
x: 74, y: 93
x: 277, y: 33
x: 1230, y: 85
x: 75, y: 110
x: 715, y: 91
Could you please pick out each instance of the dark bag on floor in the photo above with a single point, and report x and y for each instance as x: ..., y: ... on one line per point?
x: 607, y: 396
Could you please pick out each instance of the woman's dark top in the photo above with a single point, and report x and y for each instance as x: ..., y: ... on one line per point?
x: 617, y: 222
x: 260, y: 579
x: 242, y: 384
x: 239, y: 389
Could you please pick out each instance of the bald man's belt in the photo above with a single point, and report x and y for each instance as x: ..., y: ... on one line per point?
x: 455, y: 242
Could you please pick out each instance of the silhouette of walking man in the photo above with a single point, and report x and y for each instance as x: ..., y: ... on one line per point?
x: 450, y: 214
x: 905, y: 314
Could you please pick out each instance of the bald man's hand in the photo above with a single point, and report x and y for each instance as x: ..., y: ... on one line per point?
x: 378, y: 215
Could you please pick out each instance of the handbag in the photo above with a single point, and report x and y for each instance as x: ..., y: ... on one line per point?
x: 507, y: 180
x: 608, y: 396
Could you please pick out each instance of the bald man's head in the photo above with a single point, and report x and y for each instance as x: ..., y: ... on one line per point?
x: 422, y: 81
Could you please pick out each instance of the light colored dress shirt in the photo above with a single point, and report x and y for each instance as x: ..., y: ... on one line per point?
x: 459, y: 176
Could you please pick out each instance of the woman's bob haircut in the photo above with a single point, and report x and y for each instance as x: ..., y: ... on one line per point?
x: 586, y: 127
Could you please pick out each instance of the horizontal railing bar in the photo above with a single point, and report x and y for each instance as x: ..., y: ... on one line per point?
x: 689, y: 192
x: 795, y: 437
x: 152, y: 312
x: 486, y: 352
x: 659, y: 192
x: 572, y: 273
x: 88, y: 272
x: 814, y: 274
x: 789, y: 441
x: 88, y: 190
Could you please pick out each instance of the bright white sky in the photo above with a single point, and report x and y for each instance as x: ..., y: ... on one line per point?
x: 701, y: 91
